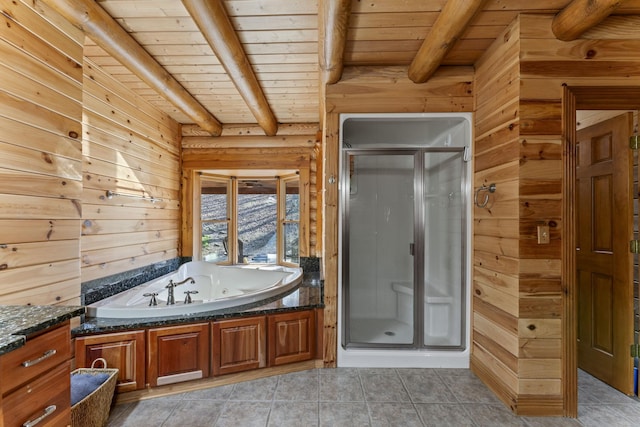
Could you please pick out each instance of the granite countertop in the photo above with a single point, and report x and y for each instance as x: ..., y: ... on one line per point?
x: 19, y: 322
x: 306, y: 296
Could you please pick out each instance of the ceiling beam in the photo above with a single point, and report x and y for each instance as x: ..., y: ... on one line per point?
x: 452, y: 21
x: 214, y: 23
x: 333, y: 38
x: 579, y: 16
x: 97, y: 24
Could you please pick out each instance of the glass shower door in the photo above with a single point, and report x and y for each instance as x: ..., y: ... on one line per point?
x: 378, y: 237
x: 444, y: 251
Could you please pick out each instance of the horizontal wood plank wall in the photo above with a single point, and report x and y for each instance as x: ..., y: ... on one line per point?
x: 606, y: 55
x: 374, y: 90
x: 40, y: 156
x: 544, y: 65
x: 596, y: 59
x: 496, y: 263
x: 133, y: 149
x: 243, y: 147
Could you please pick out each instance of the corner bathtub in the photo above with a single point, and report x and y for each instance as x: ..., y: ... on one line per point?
x: 218, y: 287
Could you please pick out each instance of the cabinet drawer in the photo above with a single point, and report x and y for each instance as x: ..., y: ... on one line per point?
x: 40, y: 397
x: 37, y: 356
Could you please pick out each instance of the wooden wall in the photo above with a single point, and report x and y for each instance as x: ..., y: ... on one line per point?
x: 40, y: 156
x: 374, y: 90
x: 518, y: 292
x: 133, y: 149
x: 68, y: 133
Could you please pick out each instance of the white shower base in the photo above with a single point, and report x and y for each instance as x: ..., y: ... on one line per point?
x: 376, y: 358
x: 373, y: 331
x: 377, y: 331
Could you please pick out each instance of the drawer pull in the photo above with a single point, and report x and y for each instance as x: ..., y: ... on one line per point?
x: 47, y: 354
x: 47, y: 411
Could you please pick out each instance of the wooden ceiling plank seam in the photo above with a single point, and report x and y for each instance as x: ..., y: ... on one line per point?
x: 212, y: 19
x: 98, y: 24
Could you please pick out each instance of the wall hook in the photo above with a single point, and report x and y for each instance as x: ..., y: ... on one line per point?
x: 483, y: 188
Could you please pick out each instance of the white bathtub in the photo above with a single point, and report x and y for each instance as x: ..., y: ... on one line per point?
x: 217, y: 287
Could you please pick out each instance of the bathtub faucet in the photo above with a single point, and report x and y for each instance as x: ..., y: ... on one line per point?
x: 171, y: 299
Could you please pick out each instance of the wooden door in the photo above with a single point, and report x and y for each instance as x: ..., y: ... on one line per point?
x: 604, y: 214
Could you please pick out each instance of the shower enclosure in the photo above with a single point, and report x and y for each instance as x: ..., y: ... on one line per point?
x: 404, y: 240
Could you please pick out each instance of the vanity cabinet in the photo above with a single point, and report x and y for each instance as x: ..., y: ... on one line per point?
x: 36, y: 380
x: 238, y: 345
x: 177, y: 353
x: 291, y: 337
x: 122, y: 350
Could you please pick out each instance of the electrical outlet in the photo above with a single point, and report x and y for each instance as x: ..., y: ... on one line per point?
x: 543, y: 234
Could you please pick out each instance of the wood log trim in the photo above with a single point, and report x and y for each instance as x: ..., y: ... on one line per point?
x: 334, y: 25
x: 249, y: 142
x: 450, y: 24
x: 211, y: 17
x: 579, y: 16
x: 241, y: 129
x: 98, y: 24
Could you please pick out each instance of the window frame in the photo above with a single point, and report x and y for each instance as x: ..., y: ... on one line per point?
x: 232, y: 213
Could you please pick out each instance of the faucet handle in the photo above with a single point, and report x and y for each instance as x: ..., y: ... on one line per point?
x: 187, y: 299
x: 153, y: 296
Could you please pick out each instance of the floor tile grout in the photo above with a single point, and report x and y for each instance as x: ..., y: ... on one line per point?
x: 376, y: 396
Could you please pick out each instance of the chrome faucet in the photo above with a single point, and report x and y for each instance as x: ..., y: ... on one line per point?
x: 171, y: 299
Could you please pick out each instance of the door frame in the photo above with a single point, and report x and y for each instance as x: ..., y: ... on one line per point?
x: 579, y: 98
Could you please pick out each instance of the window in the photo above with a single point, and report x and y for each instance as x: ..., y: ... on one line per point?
x: 250, y: 219
x: 214, y: 219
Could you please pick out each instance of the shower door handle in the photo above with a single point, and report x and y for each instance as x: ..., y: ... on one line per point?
x: 411, y: 249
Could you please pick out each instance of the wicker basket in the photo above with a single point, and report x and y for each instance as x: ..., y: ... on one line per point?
x: 93, y: 410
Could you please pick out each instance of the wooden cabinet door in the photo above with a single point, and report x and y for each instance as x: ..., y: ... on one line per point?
x: 177, y: 353
x: 238, y: 345
x: 291, y: 337
x: 122, y: 350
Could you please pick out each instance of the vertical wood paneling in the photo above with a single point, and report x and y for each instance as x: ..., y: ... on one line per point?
x: 130, y: 148
x: 41, y: 166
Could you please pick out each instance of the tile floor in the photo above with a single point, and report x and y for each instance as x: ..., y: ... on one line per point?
x: 366, y: 397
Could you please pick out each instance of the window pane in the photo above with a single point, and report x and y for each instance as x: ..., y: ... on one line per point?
x: 213, y: 200
x: 291, y: 232
x: 257, y: 214
x: 214, y: 217
x: 292, y: 201
x: 214, y: 238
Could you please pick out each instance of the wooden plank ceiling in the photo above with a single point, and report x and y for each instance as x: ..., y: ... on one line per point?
x: 280, y: 40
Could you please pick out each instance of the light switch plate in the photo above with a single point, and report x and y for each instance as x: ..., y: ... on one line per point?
x: 543, y: 234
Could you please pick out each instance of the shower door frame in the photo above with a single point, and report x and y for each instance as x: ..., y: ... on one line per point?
x: 418, y: 250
